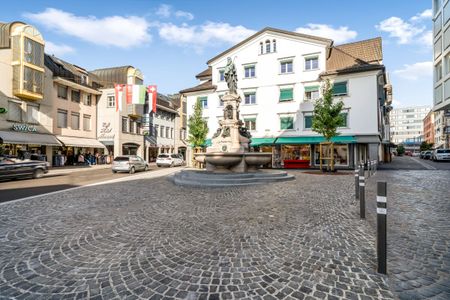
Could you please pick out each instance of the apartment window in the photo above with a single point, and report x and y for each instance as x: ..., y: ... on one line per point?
x: 446, y: 13
x: 171, y: 133
x: 124, y: 124
x: 340, y: 88
x: 220, y: 100
x: 267, y: 46
x: 438, y: 72
x: 286, y: 94
x: 286, y: 123
x: 221, y: 75
x: 167, y: 132
x: 311, y: 93
x: 162, y: 131
x: 75, y: 117
x: 261, y: 46
x: 87, y: 100
x: 111, y: 101
x: 437, y: 24
x: 132, y: 126
x: 438, y: 48
x: 33, y: 52
x: 75, y: 96
x: 203, y: 101
x: 250, y: 123
x: 86, y: 122
x: 14, y: 111
x: 446, y: 38
x: 308, y: 119
x: 286, y: 67
x: 138, y: 128
x: 311, y: 63
x: 32, y: 114
x: 62, y: 118
x: 62, y: 91
x: 250, y: 98
x: 156, y: 130
x: 32, y: 80
x: 249, y: 71
x: 344, y: 116
x: 274, y: 45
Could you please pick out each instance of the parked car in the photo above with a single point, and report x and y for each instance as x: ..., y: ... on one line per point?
x: 129, y: 163
x: 169, y: 160
x: 12, y: 168
x: 422, y: 153
x: 441, y: 154
x: 428, y: 155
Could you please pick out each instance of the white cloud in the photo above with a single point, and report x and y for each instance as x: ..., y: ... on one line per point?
x: 58, y: 49
x: 339, y: 35
x: 184, y: 14
x: 164, y: 10
x: 408, y: 32
x: 416, y: 70
x: 208, y: 34
x: 117, y: 31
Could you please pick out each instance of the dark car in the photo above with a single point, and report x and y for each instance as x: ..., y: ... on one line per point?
x: 11, y: 168
x: 428, y: 155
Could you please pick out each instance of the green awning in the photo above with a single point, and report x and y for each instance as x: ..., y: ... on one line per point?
x: 208, y: 142
x: 297, y: 140
x: 262, y: 141
x: 311, y: 88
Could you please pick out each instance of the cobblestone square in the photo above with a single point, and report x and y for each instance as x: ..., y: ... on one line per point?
x: 150, y: 239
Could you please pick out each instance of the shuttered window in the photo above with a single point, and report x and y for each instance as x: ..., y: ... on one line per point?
x: 75, y: 117
x: 14, y: 111
x: 32, y: 114
x: 308, y: 122
x: 86, y: 122
x: 286, y: 94
x: 286, y: 123
x: 62, y: 118
x: 340, y: 88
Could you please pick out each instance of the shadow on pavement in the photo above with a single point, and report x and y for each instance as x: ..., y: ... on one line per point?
x: 17, y: 193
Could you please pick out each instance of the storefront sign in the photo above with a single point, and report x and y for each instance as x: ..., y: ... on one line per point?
x: 106, y: 127
x: 24, y: 128
x: 106, y: 137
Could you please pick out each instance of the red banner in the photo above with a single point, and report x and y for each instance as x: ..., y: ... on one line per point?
x: 118, y: 88
x: 152, y: 96
x: 129, y: 92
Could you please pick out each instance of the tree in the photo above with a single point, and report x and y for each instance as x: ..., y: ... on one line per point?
x: 198, y: 128
x: 327, y: 116
x: 400, y: 150
x: 426, y: 146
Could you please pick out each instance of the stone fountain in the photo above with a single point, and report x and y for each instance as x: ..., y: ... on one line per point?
x: 228, y: 160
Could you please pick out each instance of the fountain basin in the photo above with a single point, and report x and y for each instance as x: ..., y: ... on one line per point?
x: 223, y: 159
x: 254, y: 159
x: 200, y: 157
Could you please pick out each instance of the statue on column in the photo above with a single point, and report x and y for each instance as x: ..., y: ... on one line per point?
x: 230, y: 76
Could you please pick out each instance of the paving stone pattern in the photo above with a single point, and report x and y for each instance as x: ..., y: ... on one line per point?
x: 149, y: 239
x: 418, y: 231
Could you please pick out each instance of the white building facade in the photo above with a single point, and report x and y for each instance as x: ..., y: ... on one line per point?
x: 407, y: 124
x: 279, y: 77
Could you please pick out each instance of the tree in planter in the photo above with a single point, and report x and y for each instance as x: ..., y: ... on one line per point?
x: 198, y: 128
x: 327, y: 119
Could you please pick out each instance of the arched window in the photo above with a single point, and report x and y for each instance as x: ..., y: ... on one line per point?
x: 262, y: 47
x: 267, y: 46
x: 274, y: 45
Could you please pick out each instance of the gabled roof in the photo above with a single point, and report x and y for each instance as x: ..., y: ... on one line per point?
x: 205, y: 74
x: 201, y: 87
x: 275, y: 30
x: 355, y: 57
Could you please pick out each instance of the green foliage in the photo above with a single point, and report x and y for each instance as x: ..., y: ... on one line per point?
x: 400, y: 150
x: 327, y: 115
x: 426, y: 146
x: 198, y: 128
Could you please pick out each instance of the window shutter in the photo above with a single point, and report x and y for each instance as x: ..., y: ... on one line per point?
x: 286, y: 94
x: 311, y: 88
x: 308, y: 121
x: 340, y: 88
x: 287, y: 123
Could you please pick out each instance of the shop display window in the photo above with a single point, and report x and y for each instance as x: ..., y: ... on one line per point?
x: 340, y: 155
x: 295, y: 152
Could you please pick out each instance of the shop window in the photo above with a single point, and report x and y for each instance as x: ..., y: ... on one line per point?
x: 250, y: 124
x: 340, y: 154
x: 32, y: 114
x: 286, y: 123
x: 124, y: 124
x: 14, y: 111
x: 86, y: 122
x: 340, y: 88
x: 111, y: 101
x: 296, y: 152
x: 311, y: 93
x: 286, y: 94
x: 62, y: 118
x: 250, y: 98
x: 75, y: 96
x: 286, y: 67
x: 62, y: 91
x: 308, y: 122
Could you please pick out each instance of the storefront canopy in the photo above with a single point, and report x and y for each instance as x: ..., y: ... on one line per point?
x: 28, y: 138
x: 298, y: 140
x: 70, y: 141
x: 262, y: 141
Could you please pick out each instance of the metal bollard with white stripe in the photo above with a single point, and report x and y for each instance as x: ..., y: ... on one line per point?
x: 362, y: 195
x: 357, y: 182
x: 381, y: 226
x: 368, y: 168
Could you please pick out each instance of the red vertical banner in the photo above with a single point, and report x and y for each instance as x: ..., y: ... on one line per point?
x: 118, y: 89
x: 129, y: 92
x: 152, y: 96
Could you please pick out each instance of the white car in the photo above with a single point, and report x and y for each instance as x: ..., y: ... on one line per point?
x: 129, y: 163
x: 441, y: 154
x: 169, y: 160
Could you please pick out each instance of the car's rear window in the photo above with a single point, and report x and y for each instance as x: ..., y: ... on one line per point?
x: 121, y: 158
x: 163, y: 156
x: 443, y: 151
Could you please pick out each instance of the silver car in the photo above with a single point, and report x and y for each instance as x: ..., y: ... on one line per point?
x: 129, y: 163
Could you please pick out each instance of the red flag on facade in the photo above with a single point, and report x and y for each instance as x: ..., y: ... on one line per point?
x: 129, y: 92
x: 118, y: 88
x: 152, y: 95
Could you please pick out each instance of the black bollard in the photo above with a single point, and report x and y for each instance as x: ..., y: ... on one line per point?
x: 362, y: 200
x: 357, y: 182
x: 381, y: 226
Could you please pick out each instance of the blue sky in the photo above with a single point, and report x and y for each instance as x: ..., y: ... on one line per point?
x: 171, y: 41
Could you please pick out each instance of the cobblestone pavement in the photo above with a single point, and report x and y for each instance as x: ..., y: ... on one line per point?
x: 149, y: 239
x: 418, y: 231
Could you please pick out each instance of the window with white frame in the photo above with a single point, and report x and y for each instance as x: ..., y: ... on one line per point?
x: 438, y: 72
x: 250, y: 123
x: 220, y: 100
x: 87, y: 100
x: 221, y: 75
x: 86, y: 122
x: 286, y: 67
x: 62, y: 118
x: 162, y: 131
x: 75, y: 121
x: 311, y: 93
x: 274, y: 45
x: 261, y: 46
x: 75, y: 96
x: 32, y: 113
x: 203, y: 101
x: 307, y: 120
x: 62, y: 91
x: 249, y: 71
x: 111, y: 101
x: 124, y: 124
x: 286, y: 122
x: 340, y: 88
x: 311, y: 63
x: 250, y: 98
x: 14, y: 111
x: 132, y: 126
x: 267, y: 46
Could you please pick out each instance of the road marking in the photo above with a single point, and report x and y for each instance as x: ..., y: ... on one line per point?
x: 145, y: 175
x: 427, y: 166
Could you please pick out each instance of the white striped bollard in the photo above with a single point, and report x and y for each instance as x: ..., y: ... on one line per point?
x: 362, y: 200
x: 382, y: 226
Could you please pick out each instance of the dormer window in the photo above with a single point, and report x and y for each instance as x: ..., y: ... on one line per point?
x: 267, y: 46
